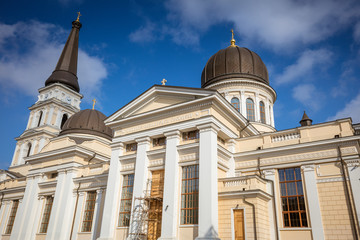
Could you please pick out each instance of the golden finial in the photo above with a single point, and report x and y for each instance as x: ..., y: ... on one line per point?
x: 232, y: 38
x: 94, y: 101
x: 78, y: 17
x: 163, y: 82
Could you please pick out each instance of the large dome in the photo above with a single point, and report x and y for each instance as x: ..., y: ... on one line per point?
x: 234, y: 62
x: 87, y: 121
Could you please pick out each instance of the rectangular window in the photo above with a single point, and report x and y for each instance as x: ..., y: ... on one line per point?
x: 159, y: 141
x: 131, y: 147
x: 126, y: 198
x: 292, y: 198
x: 11, y: 220
x: 190, y: 135
x: 46, y: 215
x: 89, y: 212
x: 190, y: 194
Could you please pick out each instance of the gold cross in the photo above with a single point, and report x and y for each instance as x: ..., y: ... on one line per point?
x: 232, y: 38
x: 163, y: 82
x: 94, y: 101
x: 78, y: 16
x: 232, y: 33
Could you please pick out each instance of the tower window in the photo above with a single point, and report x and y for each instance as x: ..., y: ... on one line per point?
x: 63, y: 120
x: 190, y: 194
x: 89, y: 212
x: 250, y: 110
x: 126, y: 198
x: 262, y: 112
x: 292, y: 198
x: 236, y: 103
x: 29, y: 150
x: 40, y: 117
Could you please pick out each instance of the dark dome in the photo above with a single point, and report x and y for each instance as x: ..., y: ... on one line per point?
x: 87, y: 121
x: 231, y: 62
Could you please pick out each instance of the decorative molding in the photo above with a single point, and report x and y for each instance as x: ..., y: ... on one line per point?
x: 308, y: 168
x: 328, y: 180
x: 157, y: 162
x: 189, y: 157
x: 285, y: 137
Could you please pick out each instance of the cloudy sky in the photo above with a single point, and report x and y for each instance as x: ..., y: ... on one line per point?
x: 311, y: 49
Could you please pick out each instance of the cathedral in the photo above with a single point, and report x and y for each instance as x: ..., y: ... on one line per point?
x: 179, y: 163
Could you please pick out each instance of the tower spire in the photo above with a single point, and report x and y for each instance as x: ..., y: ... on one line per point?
x: 66, y: 69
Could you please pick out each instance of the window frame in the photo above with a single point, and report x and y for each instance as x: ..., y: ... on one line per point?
x: 250, y: 110
x: 190, y: 135
x: 126, y: 198
x: 46, y: 215
x: 286, y: 214
x: 189, y: 207
x: 11, y: 218
x: 262, y: 112
x: 235, y: 103
x: 131, y: 147
x: 89, y: 210
x: 161, y: 141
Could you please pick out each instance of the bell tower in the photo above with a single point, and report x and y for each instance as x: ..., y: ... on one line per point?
x: 57, y: 101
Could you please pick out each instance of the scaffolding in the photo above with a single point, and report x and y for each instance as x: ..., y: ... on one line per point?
x: 146, y: 214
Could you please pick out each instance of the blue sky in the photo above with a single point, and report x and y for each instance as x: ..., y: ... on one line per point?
x: 311, y: 49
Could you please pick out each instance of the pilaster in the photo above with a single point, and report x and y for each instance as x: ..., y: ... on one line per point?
x: 243, y: 104
x: 313, y: 202
x: 353, y: 167
x: 5, y: 211
x: 231, y: 143
x: 208, y: 191
x: 27, y: 210
x: 97, y: 217
x: 112, y: 197
x: 80, y: 198
x: 270, y: 175
x: 171, y: 187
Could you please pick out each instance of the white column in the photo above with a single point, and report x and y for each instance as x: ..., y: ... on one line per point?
x: 50, y: 115
x: 33, y: 146
x: 354, y: 177
x: 112, y: 196
x: 231, y: 143
x: 14, y: 162
x: 313, y: 202
x: 5, y: 211
x: 272, y: 116
x: 45, y: 111
x: 29, y: 120
x: 243, y: 104
x: 270, y: 175
x: 140, y: 180
x: 41, y: 144
x: 79, y: 208
x: 21, y: 153
x: 35, y: 117
x: 171, y: 187
x: 256, y: 108
x: 58, y: 118
x: 267, y: 111
x: 96, y: 217
x: 27, y: 210
x: 208, y: 181
x: 63, y: 206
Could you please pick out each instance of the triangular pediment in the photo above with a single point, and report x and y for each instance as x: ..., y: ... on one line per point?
x: 159, y: 97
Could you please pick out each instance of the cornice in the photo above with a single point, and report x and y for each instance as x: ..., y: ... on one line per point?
x: 257, y: 193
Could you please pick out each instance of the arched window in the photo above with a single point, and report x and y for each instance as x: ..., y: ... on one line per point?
x: 262, y: 112
x: 63, y: 120
x: 250, y: 110
x: 236, y: 103
x: 40, y: 117
x: 29, y: 150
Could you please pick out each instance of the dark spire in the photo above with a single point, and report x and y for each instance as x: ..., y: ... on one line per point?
x: 66, y: 68
x: 305, y: 121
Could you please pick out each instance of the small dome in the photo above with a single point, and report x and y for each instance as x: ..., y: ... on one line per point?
x: 233, y: 62
x: 87, y: 121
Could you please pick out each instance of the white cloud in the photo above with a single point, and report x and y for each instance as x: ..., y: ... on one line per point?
x: 277, y: 24
x: 351, y: 110
x: 308, y: 95
x: 304, y: 66
x: 357, y: 32
x: 29, y: 53
x: 145, y: 33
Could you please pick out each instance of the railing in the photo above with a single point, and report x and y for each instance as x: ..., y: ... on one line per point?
x: 250, y: 182
x: 285, y: 137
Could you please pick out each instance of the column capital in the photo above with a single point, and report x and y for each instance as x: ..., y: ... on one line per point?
x: 352, y: 163
x: 308, y: 168
x: 172, y: 134
x: 143, y: 140
x: 208, y: 127
x: 269, y: 172
x: 99, y: 191
x: 117, y: 146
